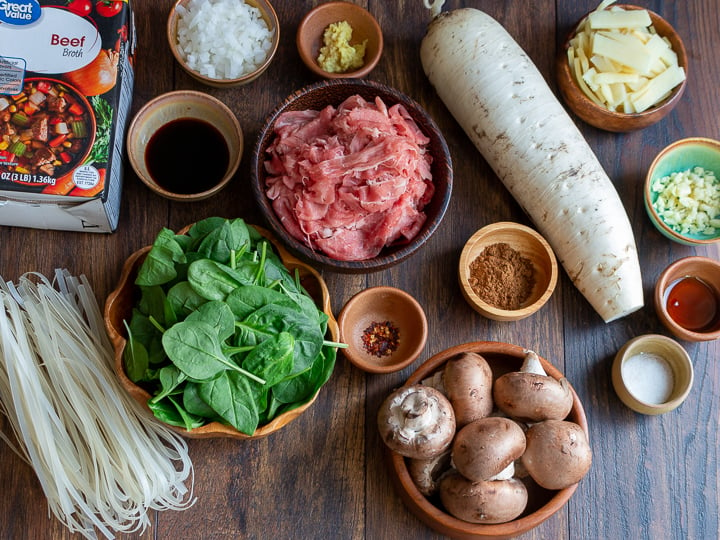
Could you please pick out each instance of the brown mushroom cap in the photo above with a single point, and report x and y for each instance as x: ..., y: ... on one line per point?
x: 417, y: 421
x: 496, y: 501
x: 467, y: 381
x: 484, y: 448
x: 557, y: 454
x: 530, y: 394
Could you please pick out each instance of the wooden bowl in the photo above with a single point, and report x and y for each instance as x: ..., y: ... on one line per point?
x: 181, y: 104
x: 268, y: 15
x: 705, y: 269
x: 333, y: 92
x: 652, y: 374
x: 118, y: 308
x: 532, y: 246
x: 679, y: 156
x: 309, y: 37
x: 542, y: 504
x: 380, y: 305
x: 602, y: 117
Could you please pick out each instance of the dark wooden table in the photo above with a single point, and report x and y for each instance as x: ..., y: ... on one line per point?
x: 323, y: 476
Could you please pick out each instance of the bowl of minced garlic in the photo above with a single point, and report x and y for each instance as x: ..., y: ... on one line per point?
x: 507, y: 271
x: 339, y: 40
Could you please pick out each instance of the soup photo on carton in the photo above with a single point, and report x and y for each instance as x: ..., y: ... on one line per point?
x: 66, y: 81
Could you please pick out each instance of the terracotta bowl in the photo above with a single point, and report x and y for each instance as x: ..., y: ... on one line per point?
x: 602, y: 117
x: 268, y: 15
x: 383, y: 305
x: 333, y: 92
x: 118, y: 308
x: 542, y: 504
x: 677, y: 157
x: 652, y: 374
x: 165, y: 108
x: 532, y: 246
x: 706, y: 270
x: 309, y: 37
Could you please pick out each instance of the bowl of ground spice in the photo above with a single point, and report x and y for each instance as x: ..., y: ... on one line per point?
x: 507, y: 271
x: 385, y: 329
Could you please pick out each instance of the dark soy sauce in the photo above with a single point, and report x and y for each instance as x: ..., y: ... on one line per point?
x: 187, y: 156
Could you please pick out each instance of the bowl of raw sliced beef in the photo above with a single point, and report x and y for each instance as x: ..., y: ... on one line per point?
x: 352, y: 175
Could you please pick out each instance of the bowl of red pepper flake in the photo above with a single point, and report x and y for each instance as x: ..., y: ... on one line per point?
x: 385, y: 329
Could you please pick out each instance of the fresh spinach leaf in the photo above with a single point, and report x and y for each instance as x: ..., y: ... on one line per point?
x: 158, y: 267
x: 234, y: 399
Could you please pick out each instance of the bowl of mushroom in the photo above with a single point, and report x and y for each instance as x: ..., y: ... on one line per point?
x: 485, y: 440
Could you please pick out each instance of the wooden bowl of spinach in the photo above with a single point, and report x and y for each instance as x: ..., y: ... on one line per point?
x: 219, y: 332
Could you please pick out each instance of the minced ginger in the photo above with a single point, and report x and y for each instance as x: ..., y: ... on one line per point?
x: 337, y: 54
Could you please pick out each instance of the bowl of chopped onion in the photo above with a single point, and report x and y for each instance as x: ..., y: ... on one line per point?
x: 351, y: 175
x: 622, y: 68
x: 682, y: 191
x: 223, y: 43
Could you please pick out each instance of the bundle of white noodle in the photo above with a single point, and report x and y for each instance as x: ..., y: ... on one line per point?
x: 103, y: 463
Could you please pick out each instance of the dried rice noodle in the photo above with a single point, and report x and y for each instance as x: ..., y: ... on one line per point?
x: 102, y: 461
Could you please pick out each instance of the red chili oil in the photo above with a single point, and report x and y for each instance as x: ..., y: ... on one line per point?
x: 381, y: 338
x: 693, y: 304
x: 187, y: 156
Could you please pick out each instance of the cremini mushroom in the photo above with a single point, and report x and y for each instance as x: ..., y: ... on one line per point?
x: 531, y: 395
x: 417, y: 421
x: 467, y: 382
x: 557, y: 453
x: 426, y: 473
x: 487, y: 448
x: 495, y: 501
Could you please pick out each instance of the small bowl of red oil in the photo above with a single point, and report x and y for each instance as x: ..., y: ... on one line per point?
x: 185, y: 145
x: 687, y: 298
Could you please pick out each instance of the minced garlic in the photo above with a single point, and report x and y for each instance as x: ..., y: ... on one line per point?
x: 689, y: 201
x: 338, y: 55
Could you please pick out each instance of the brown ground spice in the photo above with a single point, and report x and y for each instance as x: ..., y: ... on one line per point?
x: 502, y: 277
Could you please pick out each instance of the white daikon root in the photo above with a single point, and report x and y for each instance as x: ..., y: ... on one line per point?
x: 503, y: 103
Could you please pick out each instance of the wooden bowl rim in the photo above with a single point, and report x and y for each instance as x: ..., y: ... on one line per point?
x: 436, y: 517
x: 213, y: 429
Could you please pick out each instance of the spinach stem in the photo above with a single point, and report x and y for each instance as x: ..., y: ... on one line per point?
x: 156, y: 324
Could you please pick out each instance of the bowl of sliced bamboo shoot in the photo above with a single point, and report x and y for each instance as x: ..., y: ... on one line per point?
x: 622, y: 68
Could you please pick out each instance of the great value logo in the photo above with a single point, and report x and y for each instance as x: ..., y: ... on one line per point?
x: 19, y: 12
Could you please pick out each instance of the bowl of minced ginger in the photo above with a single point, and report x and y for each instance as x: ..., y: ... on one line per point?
x: 339, y: 40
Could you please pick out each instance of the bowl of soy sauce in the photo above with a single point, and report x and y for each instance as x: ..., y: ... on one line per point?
x: 185, y: 145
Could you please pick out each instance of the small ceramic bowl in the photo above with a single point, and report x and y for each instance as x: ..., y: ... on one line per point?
x: 652, y: 374
x: 183, y: 104
x: 385, y: 329
x: 680, y: 156
x: 121, y: 301
x: 542, y: 503
x: 309, y: 37
x: 268, y: 15
x: 695, y: 279
x: 603, y: 118
x: 333, y: 92
x: 531, y: 246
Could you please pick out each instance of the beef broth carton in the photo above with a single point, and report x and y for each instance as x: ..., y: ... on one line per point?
x: 66, y: 83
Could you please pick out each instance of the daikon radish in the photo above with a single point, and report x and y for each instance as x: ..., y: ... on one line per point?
x: 501, y: 100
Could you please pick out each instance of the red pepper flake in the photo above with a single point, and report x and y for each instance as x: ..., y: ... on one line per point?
x: 381, y: 338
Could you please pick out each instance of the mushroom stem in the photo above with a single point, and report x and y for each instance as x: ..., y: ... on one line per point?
x: 416, y: 412
x: 507, y: 473
x: 531, y: 363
